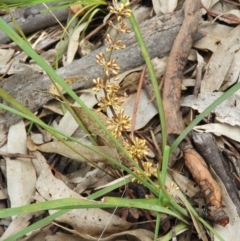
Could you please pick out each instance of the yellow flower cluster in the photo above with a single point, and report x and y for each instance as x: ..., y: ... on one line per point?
x: 137, y: 149
x: 148, y: 169
x: 108, y: 66
x: 120, y: 9
x: 120, y: 122
x: 114, y: 45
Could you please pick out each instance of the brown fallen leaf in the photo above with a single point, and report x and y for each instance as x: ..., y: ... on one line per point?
x: 62, y: 149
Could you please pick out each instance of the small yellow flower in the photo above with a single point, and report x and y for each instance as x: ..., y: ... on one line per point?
x: 147, y: 169
x: 110, y: 100
x: 137, y: 150
x: 112, y: 88
x: 99, y: 84
x: 118, y: 124
x: 108, y: 66
x: 120, y: 9
x: 121, y: 26
x: 100, y: 58
x: 111, y: 66
x: 117, y: 45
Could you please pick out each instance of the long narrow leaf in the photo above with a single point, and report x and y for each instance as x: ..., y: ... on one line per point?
x: 211, y: 107
x: 22, y: 44
x: 73, y: 203
x: 152, y: 75
x: 53, y: 131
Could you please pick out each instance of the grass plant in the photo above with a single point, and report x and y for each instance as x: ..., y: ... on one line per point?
x: 163, y: 202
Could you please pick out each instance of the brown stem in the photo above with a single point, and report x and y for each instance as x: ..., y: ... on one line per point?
x: 176, y: 63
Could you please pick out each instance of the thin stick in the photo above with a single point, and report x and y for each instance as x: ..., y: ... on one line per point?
x: 16, y: 155
x: 137, y: 100
x: 215, y: 14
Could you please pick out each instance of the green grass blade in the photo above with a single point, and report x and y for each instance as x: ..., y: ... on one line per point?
x: 53, y: 75
x: 179, y: 228
x: 211, y: 107
x: 30, y: 116
x: 23, y: 3
x: 43, y: 222
x: 195, y: 214
x: 152, y: 75
x: 122, y: 182
x: 108, y: 202
x: 165, y: 165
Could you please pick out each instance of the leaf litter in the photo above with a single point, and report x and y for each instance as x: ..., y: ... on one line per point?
x: 217, y: 52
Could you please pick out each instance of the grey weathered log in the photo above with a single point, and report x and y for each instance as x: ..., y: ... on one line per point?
x: 30, y: 19
x: 158, y: 32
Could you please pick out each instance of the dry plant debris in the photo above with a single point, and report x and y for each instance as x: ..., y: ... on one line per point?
x: 203, y: 41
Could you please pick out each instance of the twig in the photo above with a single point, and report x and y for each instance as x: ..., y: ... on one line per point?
x: 198, y: 80
x: 137, y: 100
x: 220, y: 14
x: 16, y: 155
x: 171, y: 100
x: 176, y: 63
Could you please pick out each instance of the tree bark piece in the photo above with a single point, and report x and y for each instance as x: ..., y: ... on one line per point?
x: 30, y: 19
x: 171, y: 101
x: 27, y: 86
x: 206, y: 145
x: 210, y: 189
x: 176, y: 63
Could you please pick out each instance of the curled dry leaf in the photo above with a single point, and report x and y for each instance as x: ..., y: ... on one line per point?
x: 233, y: 73
x: 232, y: 132
x: 86, y: 154
x: 220, y: 62
x: 85, y: 221
x: 213, y: 34
x: 177, y: 193
x: 137, y: 234
x: 5, y: 55
x: 21, y: 176
x: 88, y: 178
x: 74, y: 43
x: 188, y: 187
x: 19, y: 222
x: 60, y: 236
x: 164, y: 6
x: 226, y: 11
x: 227, y: 112
x: 94, y: 178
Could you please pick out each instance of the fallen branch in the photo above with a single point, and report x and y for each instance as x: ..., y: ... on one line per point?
x: 31, y: 19
x: 171, y: 101
x: 209, y: 187
x: 176, y: 63
x: 161, y: 30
